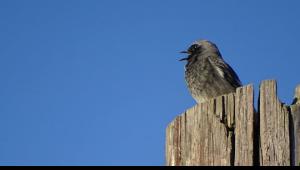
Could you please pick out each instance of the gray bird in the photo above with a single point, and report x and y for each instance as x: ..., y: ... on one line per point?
x: 206, y: 73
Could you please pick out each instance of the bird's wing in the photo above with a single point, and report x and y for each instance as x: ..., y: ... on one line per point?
x: 225, y: 71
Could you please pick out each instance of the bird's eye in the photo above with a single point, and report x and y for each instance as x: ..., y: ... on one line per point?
x: 194, y: 48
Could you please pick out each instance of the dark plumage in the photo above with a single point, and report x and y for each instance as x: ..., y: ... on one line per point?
x: 207, y: 74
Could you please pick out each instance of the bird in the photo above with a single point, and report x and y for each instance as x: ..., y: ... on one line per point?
x: 207, y: 75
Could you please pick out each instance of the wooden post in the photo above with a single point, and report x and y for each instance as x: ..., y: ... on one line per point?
x: 295, y: 110
x: 198, y: 138
x: 244, y: 127
x: 274, y: 127
x: 228, y: 131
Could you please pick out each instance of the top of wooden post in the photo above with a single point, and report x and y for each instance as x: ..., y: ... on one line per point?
x: 228, y: 131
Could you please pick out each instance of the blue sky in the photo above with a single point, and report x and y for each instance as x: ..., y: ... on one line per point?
x: 96, y: 82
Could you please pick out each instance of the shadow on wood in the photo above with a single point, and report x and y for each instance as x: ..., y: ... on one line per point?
x: 227, y: 131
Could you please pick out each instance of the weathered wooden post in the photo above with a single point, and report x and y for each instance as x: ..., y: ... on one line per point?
x: 228, y: 131
x: 274, y: 127
x: 295, y: 127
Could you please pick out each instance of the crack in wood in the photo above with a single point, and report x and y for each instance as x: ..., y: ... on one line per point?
x: 228, y: 131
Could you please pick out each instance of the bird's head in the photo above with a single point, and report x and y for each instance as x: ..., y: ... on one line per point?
x: 200, y: 47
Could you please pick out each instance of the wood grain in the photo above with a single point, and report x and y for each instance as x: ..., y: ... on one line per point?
x: 274, y: 127
x: 244, y: 126
x: 197, y: 137
x: 228, y: 131
x: 295, y: 112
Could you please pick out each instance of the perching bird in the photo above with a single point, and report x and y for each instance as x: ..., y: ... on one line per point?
x: 207, y: 74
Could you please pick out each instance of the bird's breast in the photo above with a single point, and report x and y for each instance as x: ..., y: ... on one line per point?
x: 204, y: 81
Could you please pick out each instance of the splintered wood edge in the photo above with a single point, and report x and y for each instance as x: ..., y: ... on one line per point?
x: 222, y: 107
x: 268, y: 88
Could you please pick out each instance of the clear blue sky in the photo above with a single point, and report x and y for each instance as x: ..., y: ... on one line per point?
x: 96, y: 82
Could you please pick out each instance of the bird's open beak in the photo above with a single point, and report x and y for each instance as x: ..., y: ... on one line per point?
x: 184, y: 52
